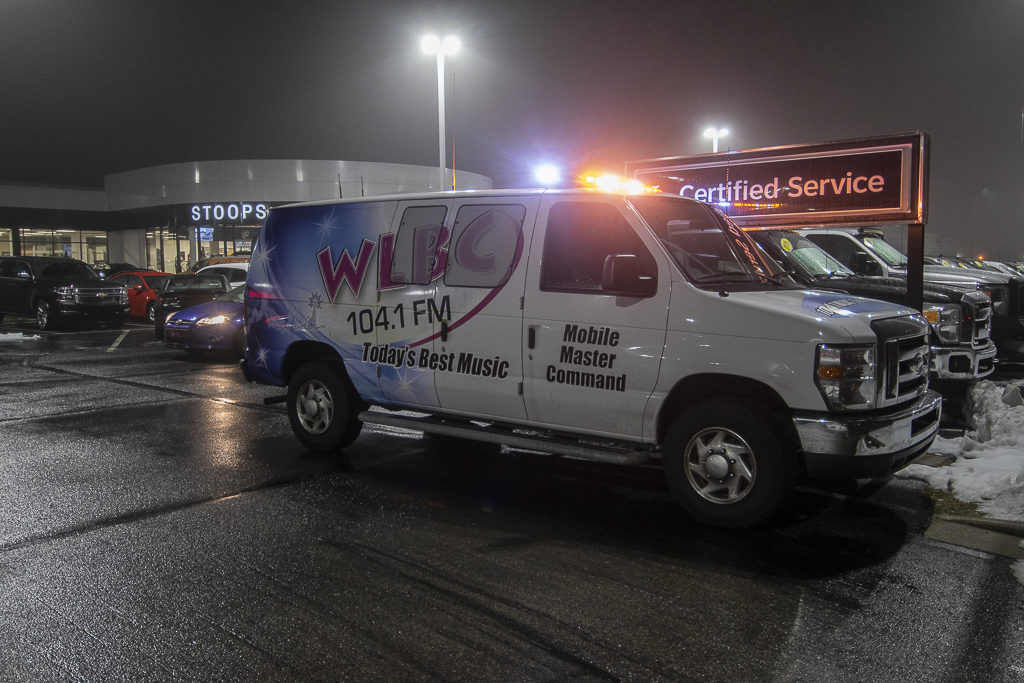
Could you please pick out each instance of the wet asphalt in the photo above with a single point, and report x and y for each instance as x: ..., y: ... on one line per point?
x: 159, y: 522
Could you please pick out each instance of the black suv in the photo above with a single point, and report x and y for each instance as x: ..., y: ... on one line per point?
x: 52, y: 289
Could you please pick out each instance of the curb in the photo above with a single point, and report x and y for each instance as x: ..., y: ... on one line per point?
x: 1003, y: 526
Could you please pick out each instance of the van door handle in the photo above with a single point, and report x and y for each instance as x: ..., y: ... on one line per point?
x: 531, y: 337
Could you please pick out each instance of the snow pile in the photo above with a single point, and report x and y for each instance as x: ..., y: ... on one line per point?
x: 15, y: 337
x: 989, y: 465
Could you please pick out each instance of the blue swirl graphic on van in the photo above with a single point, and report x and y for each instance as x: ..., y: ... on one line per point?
x: 318, y: 273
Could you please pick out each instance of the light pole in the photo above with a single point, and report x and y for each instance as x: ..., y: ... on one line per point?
x: 714, y: 134
x: 434, y: 45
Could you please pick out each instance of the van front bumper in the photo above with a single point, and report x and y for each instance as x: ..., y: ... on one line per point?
x: 852, y: 446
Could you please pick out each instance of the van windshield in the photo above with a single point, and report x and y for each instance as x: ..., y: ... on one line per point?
x: 708, y: 247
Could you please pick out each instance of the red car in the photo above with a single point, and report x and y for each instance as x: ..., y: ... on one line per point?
x: 142, y: 286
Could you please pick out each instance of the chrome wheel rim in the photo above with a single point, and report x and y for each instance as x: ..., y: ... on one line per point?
x: 720, y: 465
x: 314, y: 406
x: 42, y: 314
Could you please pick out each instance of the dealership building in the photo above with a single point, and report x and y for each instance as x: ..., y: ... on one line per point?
x: 162, y: 216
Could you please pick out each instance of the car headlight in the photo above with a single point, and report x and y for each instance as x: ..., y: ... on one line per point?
x: 846, y: 375
x: 213, y: 320
x: 945, y: 320
x: 168, y: 318
x: 65, y: 293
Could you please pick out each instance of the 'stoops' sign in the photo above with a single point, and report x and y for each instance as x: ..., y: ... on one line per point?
x: 240, y: 211
x: 872, y: 180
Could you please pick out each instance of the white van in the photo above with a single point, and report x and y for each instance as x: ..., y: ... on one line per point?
x: 621, y: 328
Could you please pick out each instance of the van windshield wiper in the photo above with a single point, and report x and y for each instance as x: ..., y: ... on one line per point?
x: 723, y: 277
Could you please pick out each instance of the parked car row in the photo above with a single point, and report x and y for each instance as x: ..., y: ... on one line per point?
x: 1015, y: 268
x: 54, y: 290
x: 960, y: 318
x: 865, y: 252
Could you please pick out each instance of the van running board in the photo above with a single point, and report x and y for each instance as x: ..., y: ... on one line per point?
x: 610, y: 453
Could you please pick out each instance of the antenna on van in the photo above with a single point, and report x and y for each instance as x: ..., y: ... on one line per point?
x: 453, y: 130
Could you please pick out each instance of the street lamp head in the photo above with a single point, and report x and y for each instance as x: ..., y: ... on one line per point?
x: 451, y: 44
x: 716, y: 132
x: 432, y: 44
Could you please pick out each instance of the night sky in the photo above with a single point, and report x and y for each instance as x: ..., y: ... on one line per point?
x: 90, y: 87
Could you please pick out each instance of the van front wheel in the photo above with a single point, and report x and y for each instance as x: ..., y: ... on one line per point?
x: 724, y: 464
x: 323, y: 407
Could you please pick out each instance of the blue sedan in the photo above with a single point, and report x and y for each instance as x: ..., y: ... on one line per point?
x: 212, y: 326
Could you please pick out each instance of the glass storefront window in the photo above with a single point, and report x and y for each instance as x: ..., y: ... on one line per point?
x: 167, y: 248
x: 86, y: 245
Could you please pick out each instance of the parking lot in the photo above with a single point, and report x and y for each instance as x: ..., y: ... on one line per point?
x: 160, y: 521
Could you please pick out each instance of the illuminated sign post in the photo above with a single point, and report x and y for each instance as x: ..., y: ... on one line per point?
x: 870, y: 181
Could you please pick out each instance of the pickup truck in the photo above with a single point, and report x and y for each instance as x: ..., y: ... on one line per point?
x: 960, y: 317
x: 53, y: 289
x: 865, y: 251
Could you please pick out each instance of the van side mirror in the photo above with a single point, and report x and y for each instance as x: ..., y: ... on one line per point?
x: 622, y: 277
x: 865, y: 265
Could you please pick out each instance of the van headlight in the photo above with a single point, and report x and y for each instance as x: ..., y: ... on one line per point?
x: 847, y: 375
x: 945, y: 320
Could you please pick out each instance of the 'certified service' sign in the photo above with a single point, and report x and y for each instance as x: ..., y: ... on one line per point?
x: 873, y: 180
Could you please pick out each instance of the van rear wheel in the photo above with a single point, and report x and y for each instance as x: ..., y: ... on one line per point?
x: 323, y: 407
x: 725, y: 465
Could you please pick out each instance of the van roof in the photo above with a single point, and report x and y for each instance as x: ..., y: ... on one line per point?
x: 456, y: 194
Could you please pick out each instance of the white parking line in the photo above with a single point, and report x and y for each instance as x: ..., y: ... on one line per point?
x: 117, y: 341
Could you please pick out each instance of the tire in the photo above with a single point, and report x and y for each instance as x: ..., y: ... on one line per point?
x: 238, y: 344
x: 323, y: 407
x: 151, y: 312
x: 725, y: 465
x: 44, y: 316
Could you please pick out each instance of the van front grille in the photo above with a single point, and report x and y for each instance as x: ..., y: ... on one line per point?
x: 904, y: 359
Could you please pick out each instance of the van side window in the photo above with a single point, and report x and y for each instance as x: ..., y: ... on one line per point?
x: 420, y: 235
x: 580, y: 236
x: 483, y: 246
